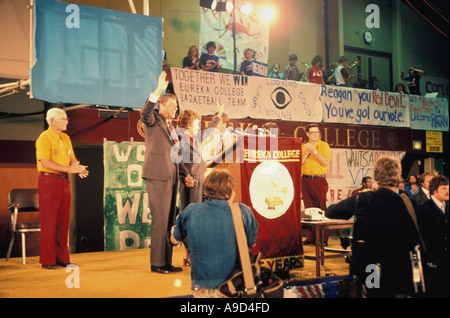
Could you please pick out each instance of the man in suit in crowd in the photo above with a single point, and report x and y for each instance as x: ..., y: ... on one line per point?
x: 161, y: 173
x: 366, y: 185
x: 424, y: 193
x: 433, y: 222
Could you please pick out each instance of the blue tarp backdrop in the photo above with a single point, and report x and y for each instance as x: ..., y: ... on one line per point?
x: 87, y: 55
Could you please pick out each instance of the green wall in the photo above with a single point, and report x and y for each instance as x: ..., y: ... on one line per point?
x: 300, y: 28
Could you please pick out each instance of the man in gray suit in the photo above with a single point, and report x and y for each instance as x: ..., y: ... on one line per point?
x: 161, y: 173
x: 433, y: 222
x: 424, y: 193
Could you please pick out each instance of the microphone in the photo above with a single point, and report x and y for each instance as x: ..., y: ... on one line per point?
x: 236, y: 131
x: 258, y: 131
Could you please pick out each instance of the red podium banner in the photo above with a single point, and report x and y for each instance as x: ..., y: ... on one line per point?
x: 271, y: 186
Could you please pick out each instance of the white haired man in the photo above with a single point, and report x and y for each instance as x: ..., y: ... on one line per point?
x: 55, y: 161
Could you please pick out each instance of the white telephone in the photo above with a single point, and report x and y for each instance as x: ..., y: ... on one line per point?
x: 314, y: 214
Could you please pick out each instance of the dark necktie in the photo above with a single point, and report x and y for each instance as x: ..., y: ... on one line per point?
x: 173, y: 134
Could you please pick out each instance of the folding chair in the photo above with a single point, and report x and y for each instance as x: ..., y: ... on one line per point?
x: 20, y: 201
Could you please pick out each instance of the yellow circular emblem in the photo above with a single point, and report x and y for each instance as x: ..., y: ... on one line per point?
x: 141, y: 128
x: 271, y: 189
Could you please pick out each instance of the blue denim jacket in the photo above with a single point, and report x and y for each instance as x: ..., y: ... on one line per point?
x: 212, y: 241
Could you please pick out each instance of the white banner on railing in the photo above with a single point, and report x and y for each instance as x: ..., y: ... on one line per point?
x: 363, y: 107
x: 274, y: 99
x: 247, y: 96
x: 428, y: 113
x: 201, y: 91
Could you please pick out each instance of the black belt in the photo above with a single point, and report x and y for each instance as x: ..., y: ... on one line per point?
x: 57, y: 175
x: 315, y: 177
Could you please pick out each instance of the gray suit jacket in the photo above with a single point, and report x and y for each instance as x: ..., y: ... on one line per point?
x: 420, y: 197
x: 158, y: 164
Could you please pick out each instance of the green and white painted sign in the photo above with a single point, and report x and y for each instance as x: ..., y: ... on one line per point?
x: 127, y: 218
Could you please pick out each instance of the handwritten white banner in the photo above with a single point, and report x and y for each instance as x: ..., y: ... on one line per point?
x: 275, y: 99
x: 428, y: 113
x: 247, y: 96
x: 201, y: 91
x: 347, y: 168
x: 363, y: 107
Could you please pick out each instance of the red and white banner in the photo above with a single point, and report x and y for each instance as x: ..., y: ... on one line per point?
x: 347, y: 168
x: 271, y: 186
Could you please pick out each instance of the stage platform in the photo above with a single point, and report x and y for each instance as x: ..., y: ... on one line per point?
x: 122, y: 274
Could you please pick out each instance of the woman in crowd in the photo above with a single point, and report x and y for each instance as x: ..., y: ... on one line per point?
x: 191, y: 61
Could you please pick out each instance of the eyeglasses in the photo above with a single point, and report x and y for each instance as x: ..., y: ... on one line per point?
x: 314, y: 132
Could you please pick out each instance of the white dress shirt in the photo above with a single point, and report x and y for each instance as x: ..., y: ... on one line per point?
x: 440, y: 204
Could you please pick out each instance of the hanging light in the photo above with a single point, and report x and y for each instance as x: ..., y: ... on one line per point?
x: 266, y: 14
x: 229, y: 6
x: 246, y: 9
x: 208, y: 4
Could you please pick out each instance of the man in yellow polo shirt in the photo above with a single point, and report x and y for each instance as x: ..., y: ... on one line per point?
x: 316, y: 155
x: 55, y: 161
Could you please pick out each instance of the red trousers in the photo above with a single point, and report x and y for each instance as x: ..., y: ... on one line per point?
x: 314, y: 194
x: 54, y: 207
